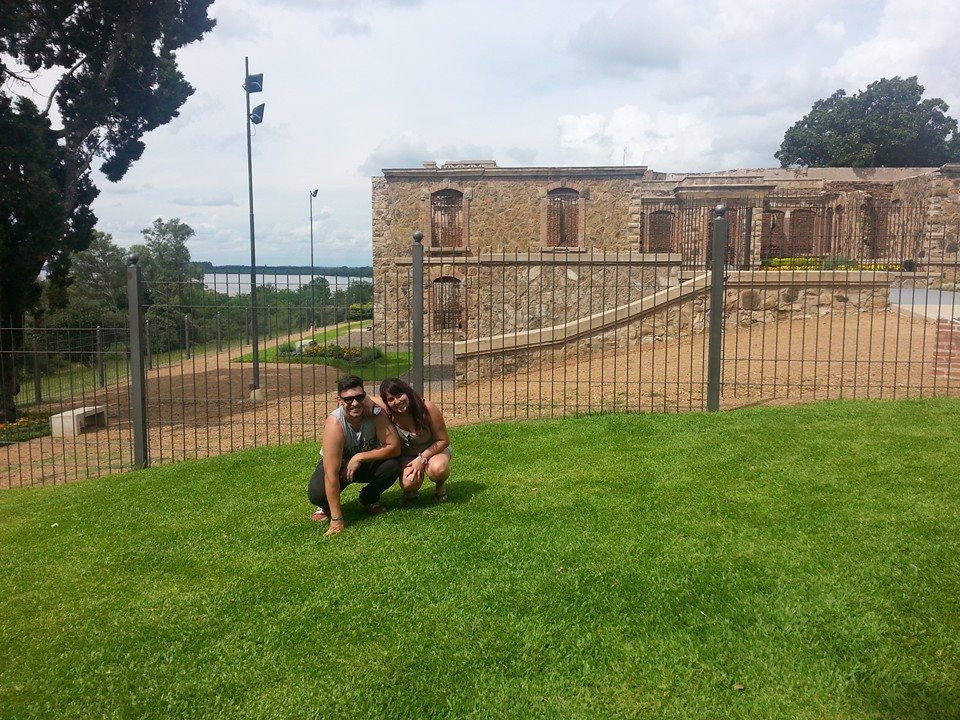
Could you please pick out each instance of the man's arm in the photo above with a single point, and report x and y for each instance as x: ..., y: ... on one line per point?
x: 389, y: 445
x: 332, y: 459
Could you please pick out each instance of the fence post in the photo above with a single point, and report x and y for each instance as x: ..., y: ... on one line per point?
x: 416, y: 310
x: 718, y: 258
x: 219, y: 336
x: 138, y: 376
x: 37, y: 386
x: 101, y: 368
x: 186, y: 333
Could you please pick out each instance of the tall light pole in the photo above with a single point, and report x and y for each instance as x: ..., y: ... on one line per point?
x: 253, y: 84
x: 313, y: 289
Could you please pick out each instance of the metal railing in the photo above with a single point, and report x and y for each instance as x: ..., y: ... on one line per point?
x: 492, y: 334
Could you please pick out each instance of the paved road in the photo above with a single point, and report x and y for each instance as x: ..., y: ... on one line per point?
x: 932, y: 304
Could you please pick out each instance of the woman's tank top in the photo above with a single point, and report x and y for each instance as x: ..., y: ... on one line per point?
x: 413, y: 444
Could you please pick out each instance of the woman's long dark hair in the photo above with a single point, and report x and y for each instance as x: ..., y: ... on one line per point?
x: 418, y: 408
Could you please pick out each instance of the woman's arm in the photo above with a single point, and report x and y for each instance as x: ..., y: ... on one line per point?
x: 438, y: 428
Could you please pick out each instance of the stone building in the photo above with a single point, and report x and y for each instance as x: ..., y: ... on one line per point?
x: 510, y: 249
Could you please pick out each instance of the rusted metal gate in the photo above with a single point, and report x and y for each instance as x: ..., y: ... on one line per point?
x: 446, y: 305
x: 446, y: 208
x: 563, y: 215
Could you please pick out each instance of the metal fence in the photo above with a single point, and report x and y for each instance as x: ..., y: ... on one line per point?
x: 492, y: 334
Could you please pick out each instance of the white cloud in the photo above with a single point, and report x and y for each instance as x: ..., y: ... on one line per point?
x: 911, y: 39
x: 225, y: 199
x: 633, y: 136
x: 234, y: 23
x: 830, y: 29
x: 355, y: 86
x: 343, y: 24
x: 405, y: 149
x: 632, y: 36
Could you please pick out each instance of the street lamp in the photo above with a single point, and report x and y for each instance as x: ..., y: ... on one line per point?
x: 313, y: 289
x: 253, y: 84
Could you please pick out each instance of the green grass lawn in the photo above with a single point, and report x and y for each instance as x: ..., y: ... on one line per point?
x: 271, y: 353
x: 389, y: 365
x: 767, y: 563
x: 77, y: 379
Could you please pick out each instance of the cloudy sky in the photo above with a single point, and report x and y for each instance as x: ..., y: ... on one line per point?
x: 355, y: 86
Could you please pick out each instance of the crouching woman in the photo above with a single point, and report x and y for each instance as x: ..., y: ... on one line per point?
x: 424, y: 442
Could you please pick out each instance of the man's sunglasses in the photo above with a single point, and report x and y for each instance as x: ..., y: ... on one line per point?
x: 349, y: 399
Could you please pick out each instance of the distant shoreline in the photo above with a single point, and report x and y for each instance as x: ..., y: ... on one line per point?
x: 338, y: 271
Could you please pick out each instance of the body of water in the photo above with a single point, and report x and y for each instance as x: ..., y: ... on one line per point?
x: 239, y: 283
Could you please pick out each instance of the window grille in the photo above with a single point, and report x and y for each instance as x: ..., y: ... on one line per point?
x: 563, y: 218
x: 446, y: 305
x: 446, y: 219
x: 801, y: 232
x: 661, y: 231
x: 773, y: 241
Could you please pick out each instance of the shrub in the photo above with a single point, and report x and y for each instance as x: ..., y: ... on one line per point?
x: 369, y: 355
x: 361, y: 311
x: 840, y: 263
x: 333, y: 351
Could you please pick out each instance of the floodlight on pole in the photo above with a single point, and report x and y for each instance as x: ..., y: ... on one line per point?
x: 313, y: 305
x: 253, y: 84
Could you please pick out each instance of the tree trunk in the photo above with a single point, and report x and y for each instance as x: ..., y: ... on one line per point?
x: 11, y: 343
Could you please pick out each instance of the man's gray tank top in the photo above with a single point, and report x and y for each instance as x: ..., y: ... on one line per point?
x: 356, y: 442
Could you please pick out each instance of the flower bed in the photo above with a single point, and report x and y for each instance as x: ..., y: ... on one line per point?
x: 29, y: 426
x: 818, y: 263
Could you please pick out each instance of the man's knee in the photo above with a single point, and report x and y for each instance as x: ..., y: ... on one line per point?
x: 389, y: 468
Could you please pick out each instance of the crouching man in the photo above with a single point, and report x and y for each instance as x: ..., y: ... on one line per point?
x: 357, y: 447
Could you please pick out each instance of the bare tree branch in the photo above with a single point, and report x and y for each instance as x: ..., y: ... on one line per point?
x: 56, y: 88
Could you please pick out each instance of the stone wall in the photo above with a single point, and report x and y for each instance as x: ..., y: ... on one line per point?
x: 505, y: 293
x: 750, y: 298
x: 505, y: 210
x: 682, y: 319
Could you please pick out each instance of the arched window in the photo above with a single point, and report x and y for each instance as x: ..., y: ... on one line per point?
x: 446, y: 219
x: 662, y: 224
x: 563, y: 218
x: 445, y: 306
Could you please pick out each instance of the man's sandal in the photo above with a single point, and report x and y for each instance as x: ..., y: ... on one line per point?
x: 441, y: 496
x: 375, y: 509
x: 409, y: 497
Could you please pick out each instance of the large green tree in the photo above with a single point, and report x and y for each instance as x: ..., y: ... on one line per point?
x: 96, y: 291
x: 173, y: 282
x: 887, y: 125
x: 116, y: 78
x: 170, y: 274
